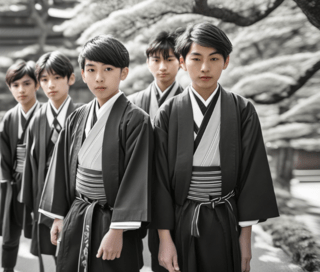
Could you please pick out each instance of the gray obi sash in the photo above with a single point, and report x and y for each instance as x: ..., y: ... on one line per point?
x: 20, y: 158
x: 205, y: 183
x: 89, y: 183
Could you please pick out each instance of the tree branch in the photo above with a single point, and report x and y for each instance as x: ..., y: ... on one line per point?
x: 229, y: 16
x: 291, y: 89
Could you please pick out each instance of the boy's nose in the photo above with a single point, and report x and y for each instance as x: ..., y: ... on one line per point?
x: 163, y: 66
x: 99, y: 78
x: 205, y: 67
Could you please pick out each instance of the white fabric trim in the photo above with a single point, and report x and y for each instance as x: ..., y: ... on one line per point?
x: 243, y: 224
x: 130, y: 225
x: 4, y: 181
x: 205, y: 102
x: 62, y: 115
x: 159, y: 90
x: 51, y: 215
x: 106, y: 108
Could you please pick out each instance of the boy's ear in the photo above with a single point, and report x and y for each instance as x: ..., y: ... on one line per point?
x: 9, y: 87
x: 72, y: 79
x: 124, y: 73
x: 83, y: 76
x: 182, y: 63
x: 226, y: 63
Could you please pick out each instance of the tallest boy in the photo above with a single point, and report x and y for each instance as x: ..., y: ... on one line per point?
x: 211, y: 165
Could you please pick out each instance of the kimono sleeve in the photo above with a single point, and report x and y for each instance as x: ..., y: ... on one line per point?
x: 26, y: 194
x: 132, y: 202
x: 6, y: 167
x: 54, y: 199
x: 162, y: 194
x: 256, y: 200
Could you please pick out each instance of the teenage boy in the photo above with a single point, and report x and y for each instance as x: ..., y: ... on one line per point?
x: 163, y: 63
x: 54, y: 72
x: 23, y: 85
x: 211, y: 165
x: 98, y: 179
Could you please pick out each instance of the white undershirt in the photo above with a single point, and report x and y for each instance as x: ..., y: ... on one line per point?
x: 63, y: 113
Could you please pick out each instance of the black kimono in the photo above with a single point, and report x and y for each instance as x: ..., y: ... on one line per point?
x: 206, y: 234
x: 126, y: 153
x: 38, y: 158
x: 12, y: 159
x: 149, y: 99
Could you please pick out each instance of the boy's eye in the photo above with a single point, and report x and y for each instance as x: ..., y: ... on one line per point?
x: 27, y: 84
x: 109, y: 69
x: 196, y: 59
x: 43, y: 79
x: 57, y: 77
x: 214, y: 59
x: 90, y: 70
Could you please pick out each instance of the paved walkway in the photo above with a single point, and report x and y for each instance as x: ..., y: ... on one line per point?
x: 266, y: 258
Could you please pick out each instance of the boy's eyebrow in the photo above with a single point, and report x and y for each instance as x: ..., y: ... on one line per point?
x: 90, y: 64
x: 198, y: 54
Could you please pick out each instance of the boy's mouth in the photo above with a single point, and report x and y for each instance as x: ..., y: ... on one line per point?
x: 100, y: 88
x: 204, y: 78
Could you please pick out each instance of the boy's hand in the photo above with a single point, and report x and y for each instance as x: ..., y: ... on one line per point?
x: 111, y: 245
x: 55, y: 230
x: 245, y: 247
x: 168, y: 257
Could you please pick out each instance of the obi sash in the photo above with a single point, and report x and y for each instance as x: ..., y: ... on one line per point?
x: 20, y: 158
x: 89, y: 183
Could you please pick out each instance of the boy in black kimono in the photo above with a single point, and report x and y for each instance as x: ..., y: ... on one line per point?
x: 98, y: 179
x: 213, y: 178
x: 23, y: 85
x: 163, y: 63
x: 54, y: 72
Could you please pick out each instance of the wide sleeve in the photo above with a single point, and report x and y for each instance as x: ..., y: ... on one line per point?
x: 54, y: 199
x: 162, y: 194
x: 26, y: 195
x: 256, y: 199
x: 6, y: 167
x: 132, y: 202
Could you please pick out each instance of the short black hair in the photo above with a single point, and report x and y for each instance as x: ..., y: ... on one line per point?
x: 162, y: 43
x: 55, y: 63
x: 105, y: 49
x: 207, y: 35
x: 19, y: 70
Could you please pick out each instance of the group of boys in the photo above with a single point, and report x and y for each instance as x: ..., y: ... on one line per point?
x: 86, y: 182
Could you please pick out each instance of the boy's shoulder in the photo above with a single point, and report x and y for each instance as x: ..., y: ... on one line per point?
x: 7, y: 116
x: 134, y: 111
x: 138, y: 96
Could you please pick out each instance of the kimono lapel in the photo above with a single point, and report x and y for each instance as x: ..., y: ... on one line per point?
x: 153, y: 105
x: 111, y: 145
x: 74, y: 150
x: 70, y: 109
x: 14, y: 129
x: 229, y: 142
x: 185, y: 142
x: 42, y: 143
x: 146, y: 98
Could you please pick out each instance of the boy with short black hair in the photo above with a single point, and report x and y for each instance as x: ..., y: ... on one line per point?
x: 21, y: 80
x: 54, y: 72
x: 211, y: 165
x: 98, y: 179
x: 163, y: 63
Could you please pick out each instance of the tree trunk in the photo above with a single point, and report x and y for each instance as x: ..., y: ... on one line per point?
x: 284, y: 167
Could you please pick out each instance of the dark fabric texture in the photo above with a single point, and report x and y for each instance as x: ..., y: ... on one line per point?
x: 127, y: 149
x: 142, y: 99
x: 244, y: 167
x: 38, y: 153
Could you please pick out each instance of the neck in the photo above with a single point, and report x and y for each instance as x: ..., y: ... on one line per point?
x: 58, y: 103
x: 205, y: 93
x: 29, y: 105
x: 103, y: 100
x: 164, y: 85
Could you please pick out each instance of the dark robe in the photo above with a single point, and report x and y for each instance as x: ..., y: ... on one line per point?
x: 13, y: 214
x: 126, y: 159
x: 245, y: 170
x: 143, y: 98
x: 35, y: 171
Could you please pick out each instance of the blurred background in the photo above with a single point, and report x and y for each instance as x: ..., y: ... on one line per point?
x: 275, y: 63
